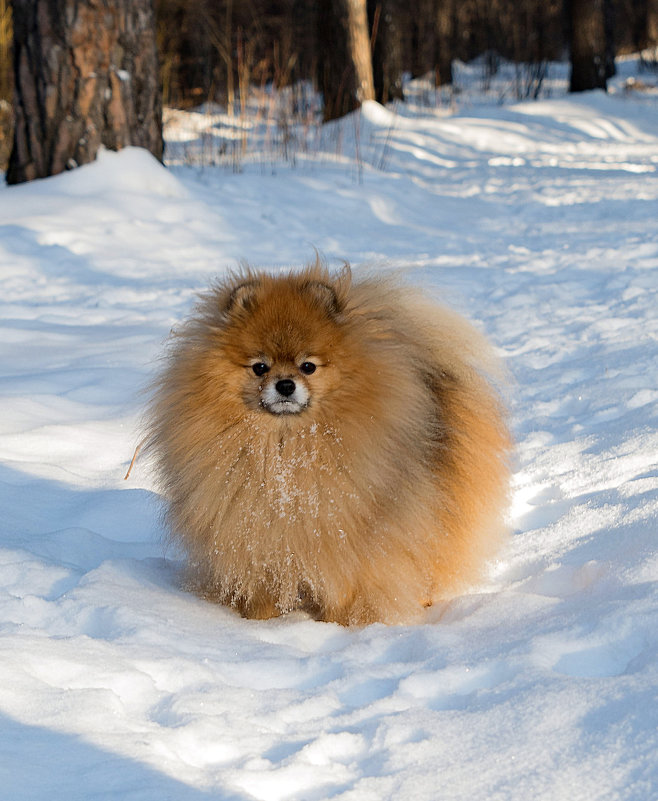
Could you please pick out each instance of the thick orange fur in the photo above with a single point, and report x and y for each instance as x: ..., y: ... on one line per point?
x: 383, y: 494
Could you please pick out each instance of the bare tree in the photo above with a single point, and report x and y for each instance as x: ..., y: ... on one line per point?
x: 388, y: 23
x: 652, y: 23
x: 345, y: 68
x: 422, y: 38
x: 590, y: 44
x: 446, y: 27
x: 432, y: 41
x: 85, y: 76
x: 5, y: 49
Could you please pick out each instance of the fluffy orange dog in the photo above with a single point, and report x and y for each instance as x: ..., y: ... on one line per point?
x: 330, y: 445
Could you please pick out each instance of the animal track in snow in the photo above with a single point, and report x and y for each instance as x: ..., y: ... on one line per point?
x: 595, y: 656
x: 563, y: 580
x: 452, y: 687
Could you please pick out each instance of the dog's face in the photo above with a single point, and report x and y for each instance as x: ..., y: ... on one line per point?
x: 283, y: 387
x: 284, y: 344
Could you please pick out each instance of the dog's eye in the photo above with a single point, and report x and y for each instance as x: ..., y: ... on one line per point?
x: 260, y: 368
x: 307, y: 368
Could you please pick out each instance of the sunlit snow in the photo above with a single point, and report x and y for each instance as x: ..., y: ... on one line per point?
x: 539, y: 221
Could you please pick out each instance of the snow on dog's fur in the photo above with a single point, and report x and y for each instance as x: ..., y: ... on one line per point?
x: 330, y: 444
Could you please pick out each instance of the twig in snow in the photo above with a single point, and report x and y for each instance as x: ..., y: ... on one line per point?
x: 134, y: 459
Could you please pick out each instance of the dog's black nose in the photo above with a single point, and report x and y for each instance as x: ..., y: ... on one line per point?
x: 285, y: 387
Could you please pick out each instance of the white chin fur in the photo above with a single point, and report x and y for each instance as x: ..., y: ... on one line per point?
x: 284, y: 407
x: 278, y: 404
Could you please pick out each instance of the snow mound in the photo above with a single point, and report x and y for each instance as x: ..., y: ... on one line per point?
x: 132, y: 169
x: 377, y: 114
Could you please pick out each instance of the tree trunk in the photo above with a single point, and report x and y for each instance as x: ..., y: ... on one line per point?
x: 86, y: 76
x: 609, y: 13
x: 345, y: 61
x: 446, y: 27
x: 589, y: 48
x: 652, y: 23
x: 386, y: 22
x: 358, y: 40
x: 423, y: 37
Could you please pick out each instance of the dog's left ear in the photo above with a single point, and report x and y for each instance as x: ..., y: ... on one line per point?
x: 343, y: 284
x: 331, y: 294
x: 324, y: 296
x: 242, y: 296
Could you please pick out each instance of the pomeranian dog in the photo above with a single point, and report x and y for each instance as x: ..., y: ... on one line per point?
x: 330, y: 444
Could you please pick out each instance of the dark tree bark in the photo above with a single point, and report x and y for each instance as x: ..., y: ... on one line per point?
x: 433, y: 39
x: 85, y: 74
x: 609, y: 13
x: 423, y: 37
x: 446, y: 27
x: 387, y: 19
x: 305, y: 16
x: 345, y: 68
x: 590, y: 51
x: 652, y: 23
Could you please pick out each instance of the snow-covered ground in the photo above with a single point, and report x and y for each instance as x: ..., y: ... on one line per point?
x: 537, y: 220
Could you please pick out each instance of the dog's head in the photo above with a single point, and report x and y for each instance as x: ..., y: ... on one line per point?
x: 283, y: 339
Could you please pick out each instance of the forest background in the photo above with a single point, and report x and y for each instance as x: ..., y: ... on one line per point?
x: 214, y: 50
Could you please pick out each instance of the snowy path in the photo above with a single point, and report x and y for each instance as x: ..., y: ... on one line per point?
x: 539, y: 222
